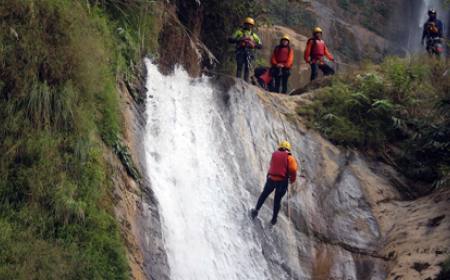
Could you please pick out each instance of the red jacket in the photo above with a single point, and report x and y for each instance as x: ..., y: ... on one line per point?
x: 266, y: 77
x: 282, y: 166
x: 283, y: 55
x: 316, y: 50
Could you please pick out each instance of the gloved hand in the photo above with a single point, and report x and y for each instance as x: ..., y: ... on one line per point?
x: 248, y: 44
x: 280, y: 65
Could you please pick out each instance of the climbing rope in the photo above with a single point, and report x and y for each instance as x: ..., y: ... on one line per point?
x: 285, y: 138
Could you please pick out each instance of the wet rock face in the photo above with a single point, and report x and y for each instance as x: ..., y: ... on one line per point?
x: 353, y: 31
x: 327, y: 221
x: 344, y: 221
x: 179, y: 37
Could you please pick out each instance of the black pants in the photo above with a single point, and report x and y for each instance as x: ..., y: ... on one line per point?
x: 280, y: 188
x: 243, y: 60
x: 280, y: 76
x: 326, y: 70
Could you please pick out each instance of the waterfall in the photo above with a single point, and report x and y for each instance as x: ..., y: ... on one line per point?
x: 207, y: 148
x: 200, y: 181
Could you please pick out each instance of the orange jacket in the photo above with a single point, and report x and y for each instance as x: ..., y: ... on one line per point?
x: 292, y: 171
x: 278, y: 57
x: 309, y: 51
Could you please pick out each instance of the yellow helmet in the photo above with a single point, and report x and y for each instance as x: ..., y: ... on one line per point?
x: 285, y: 37
x: 249, y: 20
x: 284, y: 145
x: 317, y: 30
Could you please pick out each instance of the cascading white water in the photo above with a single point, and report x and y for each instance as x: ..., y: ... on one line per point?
x: 207, y: 147
x: 197, y: 180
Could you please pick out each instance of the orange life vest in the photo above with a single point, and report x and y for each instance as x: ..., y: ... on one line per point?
x: 432, y: 28
x: 282, y: 54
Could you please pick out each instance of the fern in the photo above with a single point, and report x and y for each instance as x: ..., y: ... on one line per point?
x: 402, y: 104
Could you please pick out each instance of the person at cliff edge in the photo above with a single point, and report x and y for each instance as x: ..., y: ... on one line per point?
x: 315, y: 53
x: 282, y: 60
x: 282, y: 171
x: 246, y: 42
x: 432, y: 29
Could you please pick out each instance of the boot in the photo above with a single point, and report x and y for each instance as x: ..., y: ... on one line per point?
x: 253, y: 213
x: 273, y: 221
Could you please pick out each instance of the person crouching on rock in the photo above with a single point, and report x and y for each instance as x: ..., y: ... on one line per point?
x: 283, y: 169
x: 263, y: 78
x: 282, y: 60
x: 315, y: 52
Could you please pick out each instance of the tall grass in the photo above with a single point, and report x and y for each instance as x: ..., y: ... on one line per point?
x: 59, y: 61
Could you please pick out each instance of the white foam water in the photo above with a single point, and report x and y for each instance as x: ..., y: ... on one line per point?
x: 196, y: 179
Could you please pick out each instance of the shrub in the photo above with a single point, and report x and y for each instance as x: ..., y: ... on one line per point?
x: 445, y: 272
x: 221, y: 19
x: 397, y: 111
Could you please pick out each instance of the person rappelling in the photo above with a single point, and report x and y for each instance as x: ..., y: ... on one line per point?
x: 282, y: 171
x: 246, y: 42
x: 433, y: 30
x: 315, y: 52
x: 282, y: 61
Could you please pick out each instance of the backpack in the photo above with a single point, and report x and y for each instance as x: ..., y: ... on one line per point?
x: 432, y: 28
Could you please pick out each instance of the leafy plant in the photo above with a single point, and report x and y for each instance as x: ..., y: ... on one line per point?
x: 399, y: 111
x: 59, y: 61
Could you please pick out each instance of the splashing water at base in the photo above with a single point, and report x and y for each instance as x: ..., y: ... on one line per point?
x: 193, y: 173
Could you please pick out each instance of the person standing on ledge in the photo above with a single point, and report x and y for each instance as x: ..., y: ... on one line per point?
x: 282, y: 60
x: 433, y: 31
x: 315, y: 51
x: 282, y: 171
x: 246, y: 42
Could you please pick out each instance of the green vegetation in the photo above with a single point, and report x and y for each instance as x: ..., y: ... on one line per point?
x: 135, y: 26
x: 59, y: 64
x: 445, y: 272
x: 398, y: 111
x: 221, y: 19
